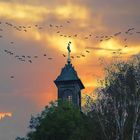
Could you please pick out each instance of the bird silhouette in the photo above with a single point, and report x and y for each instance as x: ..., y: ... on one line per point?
x: 87, y: 51
x: 12, y: 77
x: 75, y: 35
x: 30, y: 61
x: 28, y: 56
x: 83, y: 55
x: 78, y: 56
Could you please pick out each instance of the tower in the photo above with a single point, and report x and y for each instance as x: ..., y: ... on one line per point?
x: 69, y: 84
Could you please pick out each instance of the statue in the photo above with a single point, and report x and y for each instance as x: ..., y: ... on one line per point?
x: 69, y: 51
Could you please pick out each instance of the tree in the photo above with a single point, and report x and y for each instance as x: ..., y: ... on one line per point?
x: 118, y: 105
x: 59, y: 121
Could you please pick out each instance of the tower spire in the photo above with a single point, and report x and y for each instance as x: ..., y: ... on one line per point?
x: 69, y: 51
x: 69, y: 84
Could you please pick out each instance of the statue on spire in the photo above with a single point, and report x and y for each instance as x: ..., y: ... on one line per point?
x: 69, y: 51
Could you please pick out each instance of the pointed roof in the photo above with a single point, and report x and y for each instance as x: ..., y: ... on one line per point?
x: 68, y: 73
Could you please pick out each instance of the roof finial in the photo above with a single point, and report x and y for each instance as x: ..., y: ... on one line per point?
x: 69, y: 51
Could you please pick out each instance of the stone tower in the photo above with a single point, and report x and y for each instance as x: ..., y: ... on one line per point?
x: 69, y: 84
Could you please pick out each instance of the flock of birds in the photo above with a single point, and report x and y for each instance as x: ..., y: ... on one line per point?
x: 58, y: 29
x: 24, y: 58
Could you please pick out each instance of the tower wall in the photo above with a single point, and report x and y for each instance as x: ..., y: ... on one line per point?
x: 70, y: 92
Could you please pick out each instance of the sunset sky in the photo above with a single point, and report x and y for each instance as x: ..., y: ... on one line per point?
x: 41, y: 29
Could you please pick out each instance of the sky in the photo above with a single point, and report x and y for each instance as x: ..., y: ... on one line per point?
x: 33, y: 49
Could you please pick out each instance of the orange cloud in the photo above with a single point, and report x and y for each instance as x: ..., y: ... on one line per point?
x: 33, y: 13
x: 5, y: 114
x: 17, y: 11
x: 73, y: 11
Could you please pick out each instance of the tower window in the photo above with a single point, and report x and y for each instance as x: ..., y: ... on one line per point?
x: 70, y: 98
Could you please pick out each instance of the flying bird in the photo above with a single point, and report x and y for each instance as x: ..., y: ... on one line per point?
x: 75, y: 35
x: 16, y: 56
x: 83, y: 55
x: 29, y: 56
x: 50, y: 58
x: 30, y: 61
x: 87, y: 51
x: 12, y: 77
x: 116, y: 34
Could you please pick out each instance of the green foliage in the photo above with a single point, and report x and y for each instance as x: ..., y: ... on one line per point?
x: 59, y: 121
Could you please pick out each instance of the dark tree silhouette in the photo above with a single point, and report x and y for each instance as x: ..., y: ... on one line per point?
x: 118, y: 104
x: 59, y: 121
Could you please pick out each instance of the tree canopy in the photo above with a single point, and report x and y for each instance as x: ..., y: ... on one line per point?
x: 118, y: 103
x: 59, y: 121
